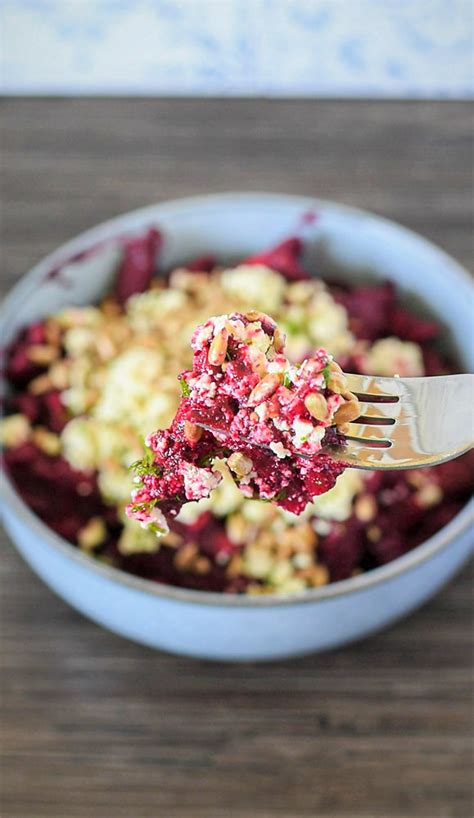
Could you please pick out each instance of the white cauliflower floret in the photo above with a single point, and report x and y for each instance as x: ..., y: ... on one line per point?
x: 336, y: 504
x: 190, y: 512
x: 14, y: 430
x: 327, y: 324
x: 79, y: 317
x: 79, y: 340
x: 135, y: 539
x: 116, y: 443
x: 130, y: 380
x: 255, y: 285
x: 255, y: 511
x: 158, y: 411
x: 147, y: 311
x: 79, y: 444
x: 297, y: 345
x: 226, y: 498
x: 391, y: 356
x: 115, y: 483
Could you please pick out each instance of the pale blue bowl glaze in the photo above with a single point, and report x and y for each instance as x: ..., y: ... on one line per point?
x: 227, y: 627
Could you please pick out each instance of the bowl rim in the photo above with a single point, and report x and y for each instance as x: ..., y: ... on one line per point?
x: 15, y: 504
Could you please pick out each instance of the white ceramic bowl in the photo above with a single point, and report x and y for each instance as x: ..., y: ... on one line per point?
x: 238, y: 627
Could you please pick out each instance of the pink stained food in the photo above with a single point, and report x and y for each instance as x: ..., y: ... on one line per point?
x: 244, y: 403
x: 375, y: 519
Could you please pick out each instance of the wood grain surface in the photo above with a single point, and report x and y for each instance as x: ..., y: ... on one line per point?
x: 96, y: 727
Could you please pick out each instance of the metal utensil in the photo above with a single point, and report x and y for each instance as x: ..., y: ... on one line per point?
x: 406, y: 422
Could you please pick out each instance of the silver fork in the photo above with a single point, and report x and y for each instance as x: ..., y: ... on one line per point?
x: 407, y: 422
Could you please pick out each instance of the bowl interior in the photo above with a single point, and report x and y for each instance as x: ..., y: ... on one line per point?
x: 352, y: 244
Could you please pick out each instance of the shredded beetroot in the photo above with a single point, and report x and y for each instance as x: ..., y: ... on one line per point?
x: 406, y: 508
x: 266, y: 418
x: 201, y: 264
x: 138, y: 265
x: 65, y: 499
x: 284, y: 258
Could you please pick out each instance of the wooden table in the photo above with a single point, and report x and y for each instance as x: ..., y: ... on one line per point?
x: 96, y: 727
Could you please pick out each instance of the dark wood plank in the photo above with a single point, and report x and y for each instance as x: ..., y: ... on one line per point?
x: 95, y: 726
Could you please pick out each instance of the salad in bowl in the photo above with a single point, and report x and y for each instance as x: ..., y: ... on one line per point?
x: 90, y: 378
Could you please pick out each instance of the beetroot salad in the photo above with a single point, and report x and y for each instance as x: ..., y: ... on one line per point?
x: 88, y: 385
x: 245, y: 407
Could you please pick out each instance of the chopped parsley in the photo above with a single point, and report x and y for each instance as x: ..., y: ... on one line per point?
x: 185, y: 390
x: 146, y: 465
x: 145, y: 506
x: 327, y: 373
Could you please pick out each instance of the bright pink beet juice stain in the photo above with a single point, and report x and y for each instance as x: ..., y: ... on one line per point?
x: 214, y: 546
x: 245, y: 404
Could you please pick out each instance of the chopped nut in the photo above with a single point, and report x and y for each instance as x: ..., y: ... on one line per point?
x: 316, y: 405
x: 278, y: 340
x: 172, y: 539
x: 374, y: 533
x: 347, y: 412
x: 40, y: 385
x: 319, y: 576
x: 218, y: 348
x: 284, y: 551
x: 263, y: 390
x: 105, y: 347
x: 307, y: 537
x: 259, y: 361
x: 234, y: 568
x: 192, y: 431
x: 59, y: 375
x: 337, y: 382
x: 42, y: 354
x: 110, y: 306
x: 240, y: 464
x: 92, y: 534
x: 202, y: 565
x: 429, y: 495
x: 416, y: 478
x: 237, y: 528
x: 185, y: 556
x: 52, y: 331
x: 47, y: 441
x: 365, y: 508
x: 255, y: 315
x: 188, y: 281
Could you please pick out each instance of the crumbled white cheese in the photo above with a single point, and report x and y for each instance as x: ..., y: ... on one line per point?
x: 391, y: 356
x: 279, y: 450
x: 302, y: 431
x: 80, y: 445
x: 336, y: 504
x: 199, y: 482
x: 255, y: 285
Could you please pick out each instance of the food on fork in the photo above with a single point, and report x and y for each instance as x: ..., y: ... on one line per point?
x: 249, y: 412
x: 72, y: 430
